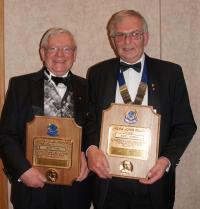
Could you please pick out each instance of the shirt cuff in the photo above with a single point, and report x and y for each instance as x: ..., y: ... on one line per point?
x: 169, y: 164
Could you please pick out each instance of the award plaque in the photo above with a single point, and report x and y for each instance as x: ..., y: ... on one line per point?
x: 53, y: 146
x: 130, y: 139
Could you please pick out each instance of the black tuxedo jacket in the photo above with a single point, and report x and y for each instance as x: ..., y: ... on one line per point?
x: 167, y: 93
x: 24, y: 99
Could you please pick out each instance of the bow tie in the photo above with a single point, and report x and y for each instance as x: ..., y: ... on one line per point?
x: 58, y: 80
x: 136, y: 67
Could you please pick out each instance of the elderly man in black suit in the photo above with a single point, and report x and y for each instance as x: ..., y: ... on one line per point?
x: 52, y: 91
x: 165, y: 90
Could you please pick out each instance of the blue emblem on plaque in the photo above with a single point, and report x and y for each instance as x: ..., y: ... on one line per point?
x: 131, y: 117
x: 52, y: 130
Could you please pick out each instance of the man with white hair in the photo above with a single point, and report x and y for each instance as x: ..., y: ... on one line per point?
x: 52, y: 91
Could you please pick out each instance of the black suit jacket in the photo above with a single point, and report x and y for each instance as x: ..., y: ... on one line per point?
x: 24, y: 99
x: 167, y: 93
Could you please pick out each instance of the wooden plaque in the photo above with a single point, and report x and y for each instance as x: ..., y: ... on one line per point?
x: 53, y: 146
x: 130, y: 139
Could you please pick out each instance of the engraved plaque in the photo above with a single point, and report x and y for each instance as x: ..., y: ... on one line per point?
x: 52, y: 152
x: 127, y: 141
x: 130, y: 139
x: 54, y: 148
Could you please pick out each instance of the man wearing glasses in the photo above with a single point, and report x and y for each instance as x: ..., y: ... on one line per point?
x: 164, y: 89
x: 52, y: 91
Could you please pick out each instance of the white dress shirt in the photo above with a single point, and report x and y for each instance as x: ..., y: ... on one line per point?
x: 132, y: 79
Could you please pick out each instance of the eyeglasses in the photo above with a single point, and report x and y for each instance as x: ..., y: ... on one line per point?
x: 65, y: 50
x: 134, y: 35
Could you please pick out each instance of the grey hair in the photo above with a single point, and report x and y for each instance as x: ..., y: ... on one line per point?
x: 52, y: 32
x: 117, y: 17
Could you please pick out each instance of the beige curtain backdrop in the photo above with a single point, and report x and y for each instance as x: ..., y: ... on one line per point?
x: 174, y: 28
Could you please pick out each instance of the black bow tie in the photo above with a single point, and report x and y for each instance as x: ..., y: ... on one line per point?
x: 58, y: 80
x: 136, y: 67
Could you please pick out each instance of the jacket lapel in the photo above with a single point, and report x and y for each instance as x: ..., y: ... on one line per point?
x: 153, y: 88
x: 37, y: 93
x: 110, y: 83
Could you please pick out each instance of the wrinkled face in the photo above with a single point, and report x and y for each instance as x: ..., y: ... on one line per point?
x: 59, y: 54
x: 130, y: 39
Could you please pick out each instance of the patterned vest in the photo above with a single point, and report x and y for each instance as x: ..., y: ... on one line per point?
x: 54, y: 105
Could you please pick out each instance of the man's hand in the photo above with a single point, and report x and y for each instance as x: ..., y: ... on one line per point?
x: 33, y: 178
x: 157, y: 171
x: 84, y: 168
x: 98, y: 163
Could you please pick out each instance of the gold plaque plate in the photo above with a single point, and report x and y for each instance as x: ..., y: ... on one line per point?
x: 129, y: 141
x: 52, y: 152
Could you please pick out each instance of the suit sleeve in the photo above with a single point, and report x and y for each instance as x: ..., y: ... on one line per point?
x: 12, y: 141
x: 92, y: 134
x: 182, y: 126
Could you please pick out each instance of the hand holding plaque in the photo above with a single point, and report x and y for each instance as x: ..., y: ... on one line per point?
x: 54, y: 148
x: 130, y: 139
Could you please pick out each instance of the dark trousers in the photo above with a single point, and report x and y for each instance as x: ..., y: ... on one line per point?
x: 76, y: 196
x: 127, y: 194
